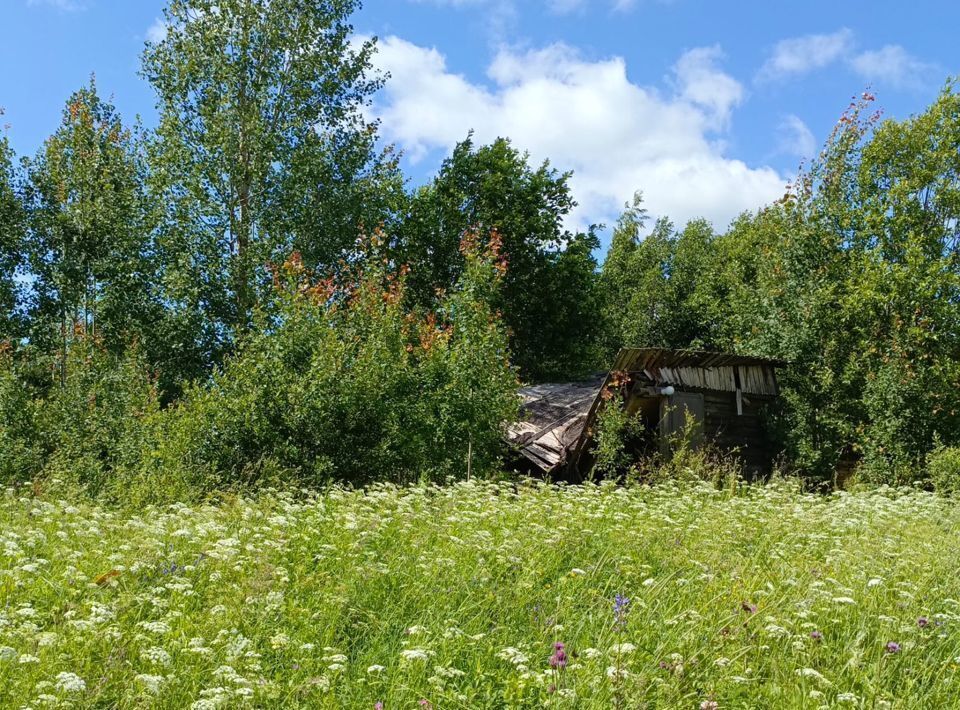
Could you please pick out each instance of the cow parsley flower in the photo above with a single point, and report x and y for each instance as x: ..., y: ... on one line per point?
x: 70, y: 683
x: 415, y: 654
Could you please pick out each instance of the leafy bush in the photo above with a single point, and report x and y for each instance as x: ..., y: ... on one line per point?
x: 626, y: 449
x: 83, y: 424
x: 943, y: 468
x: 20, y: 452
x: 342, y: 382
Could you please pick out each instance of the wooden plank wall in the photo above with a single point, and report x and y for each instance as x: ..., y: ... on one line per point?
x: 744, y: 432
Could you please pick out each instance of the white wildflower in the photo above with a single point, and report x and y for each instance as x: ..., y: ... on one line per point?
x: 375, y: 669
x: 776, y: 631
x: 813, y: 674
x: 151, y: 683
x: 615, y: 674
x: 415, y: 654
x: 514, y: 656
x: 156, y: 627
x: 70, y: 683
x: 157, y: 655
x: 844, y: 600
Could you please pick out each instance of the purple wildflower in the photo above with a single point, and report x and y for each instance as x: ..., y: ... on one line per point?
x: 923, y: 622
x: 559, y: 657
x: 709, y: 705
x: 621, y: 607
x: 816, y: 635
x: 893, y: 647
x: 378, y: 705
x: 748, y: 607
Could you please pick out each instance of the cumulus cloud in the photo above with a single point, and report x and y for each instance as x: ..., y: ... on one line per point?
x: 617, y: 136
x: 157, y: 32
x: 800, y: 55
x: 701, y: 82
x: 795, y: 138
x: 892, y: 64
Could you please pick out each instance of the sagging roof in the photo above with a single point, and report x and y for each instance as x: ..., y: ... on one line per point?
x: 554, y: 416
x: 635, y: 359
x: 722, y: 372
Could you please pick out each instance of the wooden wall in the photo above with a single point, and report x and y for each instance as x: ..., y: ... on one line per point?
x: 729, y: 430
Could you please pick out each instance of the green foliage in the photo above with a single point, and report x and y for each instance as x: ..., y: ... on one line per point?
x: 660, y: 290
x: 11, y: 243
x: 83, y: 430
x: 758, y: 597
x: 89, y: 252
x: 549, y: 296
x: 853, y: 277
x: 349, y: 385
x: 21, y: 454
x: 943, y: 469
x: 261, y: 149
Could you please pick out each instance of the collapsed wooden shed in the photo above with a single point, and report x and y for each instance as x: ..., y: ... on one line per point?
x: 720, y: 397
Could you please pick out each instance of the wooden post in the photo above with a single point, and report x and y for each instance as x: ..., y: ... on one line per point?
x: 469, y: 456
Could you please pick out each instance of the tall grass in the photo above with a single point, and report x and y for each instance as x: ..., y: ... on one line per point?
x: 485, y: 595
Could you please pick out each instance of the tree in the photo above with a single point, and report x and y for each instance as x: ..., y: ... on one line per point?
x: 549, y: 290
x: 858, y: 285
x: 261, y: 149
x: 89, y: 251
x: 11, y: 243
x: 661, y: 290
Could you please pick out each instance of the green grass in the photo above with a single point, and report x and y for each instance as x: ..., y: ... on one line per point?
x: 456, y: 596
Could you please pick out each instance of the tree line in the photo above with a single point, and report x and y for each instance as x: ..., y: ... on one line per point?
x: 250, y: 289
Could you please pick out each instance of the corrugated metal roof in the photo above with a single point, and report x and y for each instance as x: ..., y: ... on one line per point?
x: 636, y: 359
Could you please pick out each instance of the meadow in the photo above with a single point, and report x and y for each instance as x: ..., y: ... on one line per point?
x: 479, y: 595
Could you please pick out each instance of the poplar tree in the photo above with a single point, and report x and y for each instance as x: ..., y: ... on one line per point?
x: 262, y: 149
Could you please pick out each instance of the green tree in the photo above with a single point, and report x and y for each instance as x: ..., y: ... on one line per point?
x: 661, y: 289
x: 89, y: 251
x: 11, y: 243
x: 858, y: 285
x: 261, y: 149
x: 550, y: 288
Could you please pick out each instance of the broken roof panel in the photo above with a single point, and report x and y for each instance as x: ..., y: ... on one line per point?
x: 552, y: 418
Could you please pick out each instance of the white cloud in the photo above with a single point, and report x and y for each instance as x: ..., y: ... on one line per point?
x: 702, y: 83
x: 795, y: 138
x: 894, y: 65
x: 587, y: 116
x: 157, y: 32
x: 800, y: 55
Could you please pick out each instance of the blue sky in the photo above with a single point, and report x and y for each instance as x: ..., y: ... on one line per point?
x: 708, y: 107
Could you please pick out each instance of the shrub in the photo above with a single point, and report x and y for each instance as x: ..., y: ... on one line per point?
x: 84, y: 423
x: 20, y: 452
x: 342, y: 382
x: 943, y: 468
